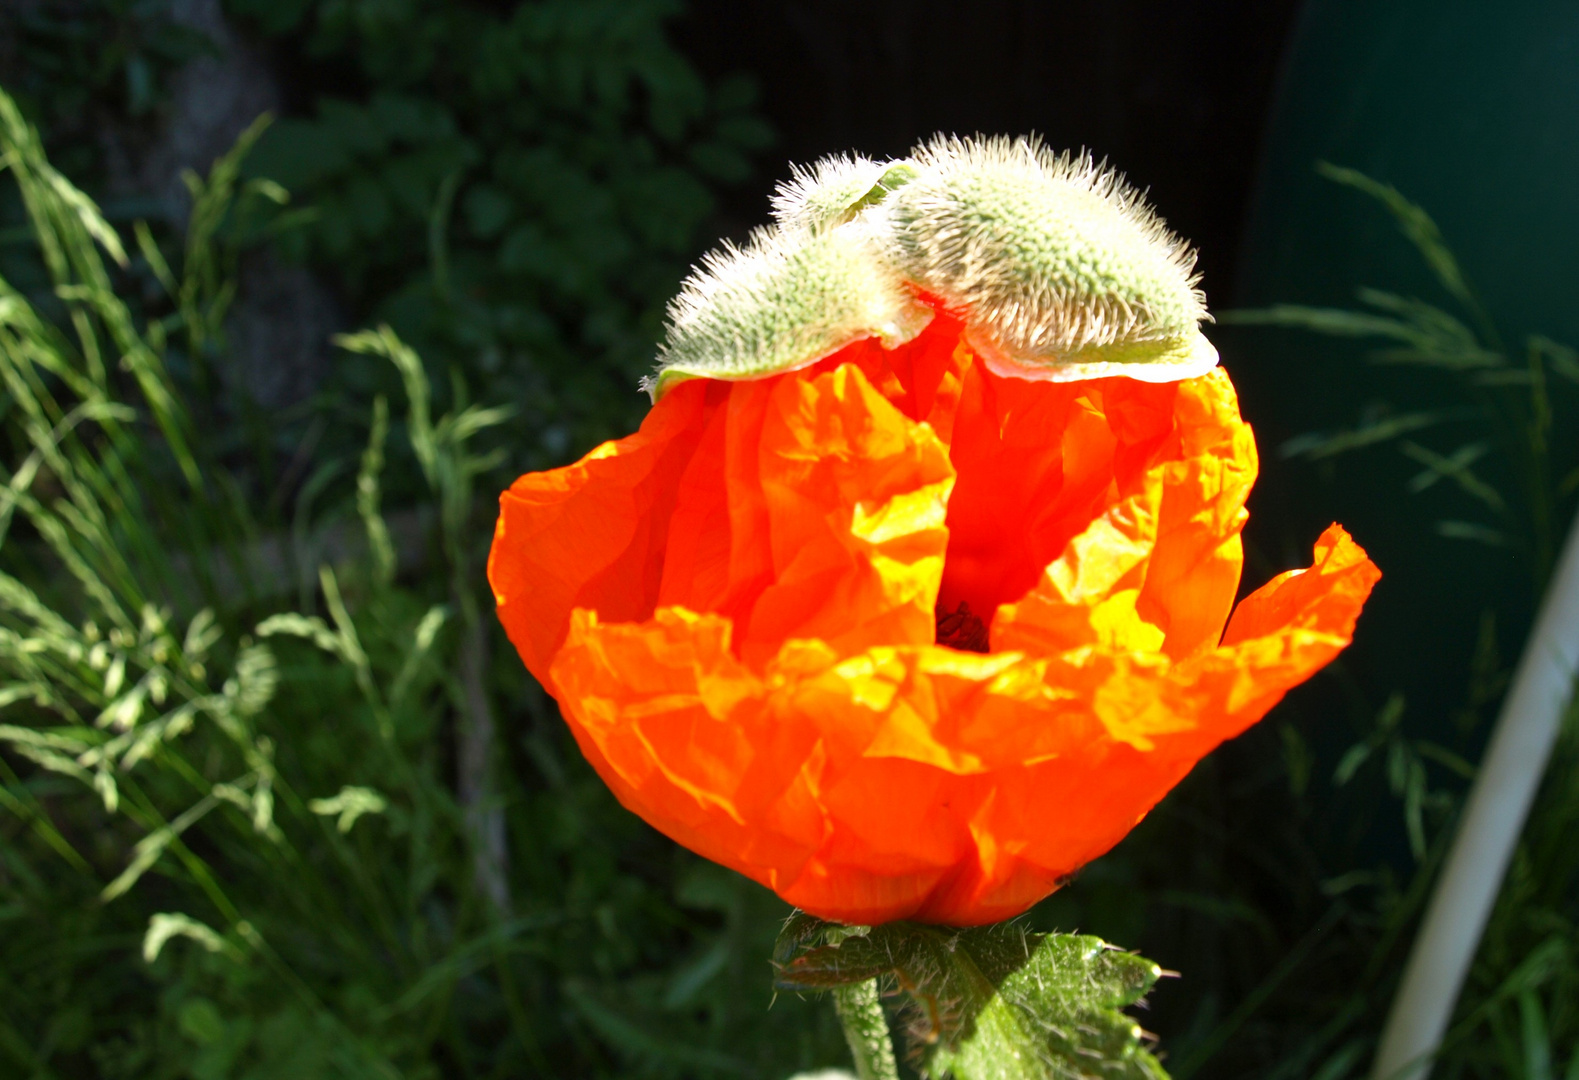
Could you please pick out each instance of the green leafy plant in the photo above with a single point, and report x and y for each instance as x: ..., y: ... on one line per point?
x: 83, y: 64
x: 518, y: 189
x: 360, y: 934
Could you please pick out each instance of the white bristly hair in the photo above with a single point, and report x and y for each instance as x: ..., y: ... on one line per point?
x: 785, y: 300
x: 1053, y: 255
x: 1057, y: 266
x: 821, y: 195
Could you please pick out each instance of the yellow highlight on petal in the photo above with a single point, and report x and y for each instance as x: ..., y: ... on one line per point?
x: 1118, y: 625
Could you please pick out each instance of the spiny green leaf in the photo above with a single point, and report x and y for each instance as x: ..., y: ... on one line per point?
x: 994, y: 1003
x: 783, y: 301
x: 1061, y: 268
x: 1056, y: 265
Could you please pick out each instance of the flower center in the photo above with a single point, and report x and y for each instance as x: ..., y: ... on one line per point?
x: 960, y: 629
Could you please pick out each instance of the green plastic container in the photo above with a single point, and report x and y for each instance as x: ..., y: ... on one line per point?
x: 1472, y: 111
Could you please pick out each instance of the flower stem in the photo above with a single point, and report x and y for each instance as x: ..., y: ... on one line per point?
x: 866, y: 1030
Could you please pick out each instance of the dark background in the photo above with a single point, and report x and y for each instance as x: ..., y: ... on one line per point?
x: 1175, y: 95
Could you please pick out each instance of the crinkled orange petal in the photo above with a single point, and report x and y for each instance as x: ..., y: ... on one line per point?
x: 1037, y: 462
x: 1323, y: 599
x: 856, y: 494
x: 917, y: 781
x: 800, y: 507
x: 1194, y: 569
x: 1157, y: 568
x: 593, y: 534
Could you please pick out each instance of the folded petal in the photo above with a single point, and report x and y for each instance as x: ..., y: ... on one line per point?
x: 1324, y: 599
x: 593, y: 534
x: 1156, y: 568
x: 813, y: 509
x: 1193, y: 572
x: 856, y: 496
x: 797, y: 507
x: 1037, y: 462
x: 675, y: 725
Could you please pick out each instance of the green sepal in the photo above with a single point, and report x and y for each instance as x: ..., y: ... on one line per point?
x: 894, y: 177
x: 782, y: 302
x: 1056, y: 266
x: 990, y: 1003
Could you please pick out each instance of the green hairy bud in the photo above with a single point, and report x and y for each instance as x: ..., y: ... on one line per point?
x: 1055, y: 265
x: 785, y: 300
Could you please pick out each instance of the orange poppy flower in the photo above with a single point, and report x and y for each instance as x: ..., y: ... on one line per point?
x: 900, y: 637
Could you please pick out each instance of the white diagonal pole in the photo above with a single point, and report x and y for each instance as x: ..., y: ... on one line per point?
x: 1493, y: 818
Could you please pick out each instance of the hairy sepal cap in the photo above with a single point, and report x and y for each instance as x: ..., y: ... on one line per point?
x: 787, y: 299
x: 1058, y: 267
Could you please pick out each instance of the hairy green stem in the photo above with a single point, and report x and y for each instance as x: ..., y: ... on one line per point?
x: 866, y: 1030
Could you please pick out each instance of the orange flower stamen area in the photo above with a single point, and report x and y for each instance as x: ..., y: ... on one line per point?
x: 901, y: 638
